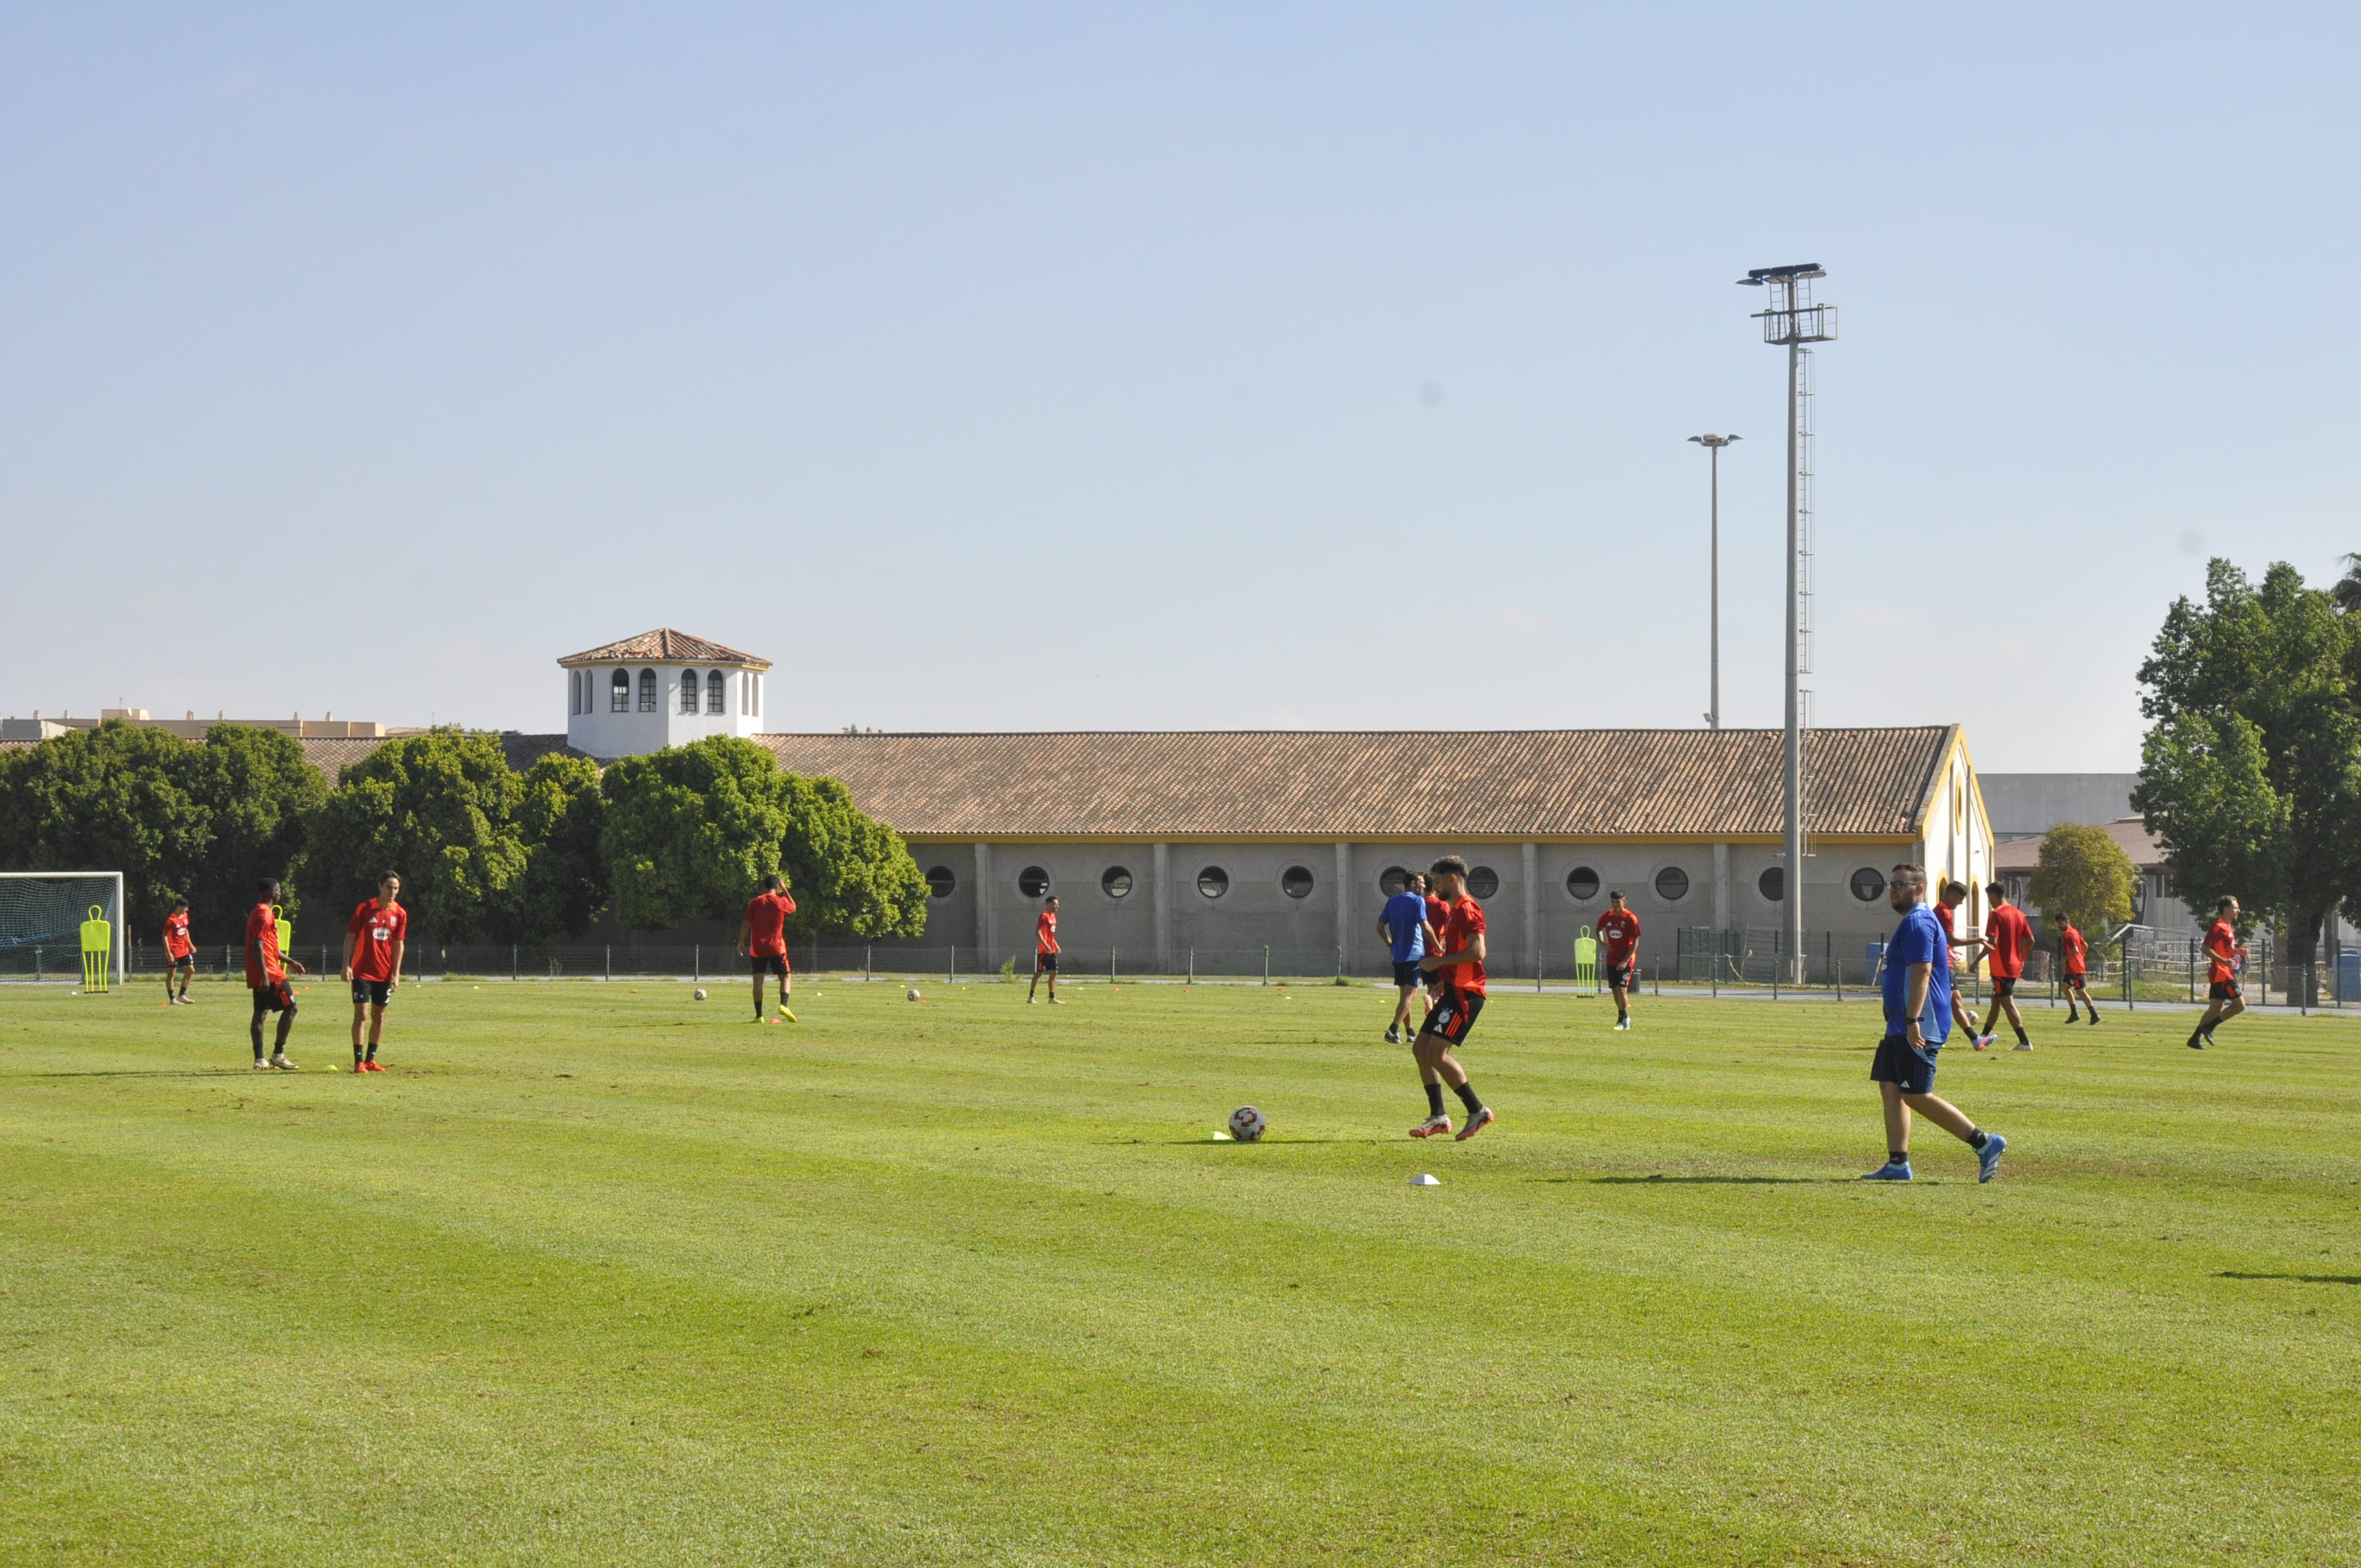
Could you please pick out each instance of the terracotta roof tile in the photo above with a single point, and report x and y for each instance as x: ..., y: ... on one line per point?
x: 664, y: 645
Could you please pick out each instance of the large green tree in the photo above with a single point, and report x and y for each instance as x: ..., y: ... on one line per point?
x: 264, y: 794
x: 561, y: 812
x: 441, y: 808
x: 2085, y: 876
x: 2250, y: 775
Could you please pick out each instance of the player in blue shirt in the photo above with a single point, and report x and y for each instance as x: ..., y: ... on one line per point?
x: 1404, y: 928
x: 1917, y: 984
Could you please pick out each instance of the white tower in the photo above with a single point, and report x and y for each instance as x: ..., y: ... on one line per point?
x: 661, y: 688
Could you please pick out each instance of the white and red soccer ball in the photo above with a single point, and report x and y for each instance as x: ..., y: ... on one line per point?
x: 1246, y: 1123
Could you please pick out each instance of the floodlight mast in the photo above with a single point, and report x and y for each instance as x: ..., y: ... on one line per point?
x: 1714, y: 444
x: 1795, y: 322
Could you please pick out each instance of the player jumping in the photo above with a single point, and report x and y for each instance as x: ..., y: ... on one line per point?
x: 1402, y: 927
x: 1045, y: 950
x: 265, y: 976
x: 1918, y: 1021
x: 2224, y: 956
x: 180, y: 953
x: 2073, y: 962
x: 1619, y: 930
x: 374, y: 940
x: 1461, y: 955
x: 763, y: 941
x: 2008, y: 936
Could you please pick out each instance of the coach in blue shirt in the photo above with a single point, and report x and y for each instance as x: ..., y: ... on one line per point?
x: 1404, y: 928
x: 1917, y: 984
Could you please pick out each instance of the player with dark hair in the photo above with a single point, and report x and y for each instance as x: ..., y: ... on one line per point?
x: 1402, y: 926
x: 266, y: 975
x: 2008, y: 936
x: 1438, y: 915
x: 1045, y: 950
x: 2074, y: 968
x: 1946, y: 908
x: 763, y: 941
x: 180, y: 953
x: 1461, y: 956
x: 2224, y: 957
x: 1618, y: 932
x: 374, y: 940
x: 1918, y: 1021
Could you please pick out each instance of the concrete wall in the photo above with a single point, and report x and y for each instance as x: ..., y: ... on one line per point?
x: 2025, y: 806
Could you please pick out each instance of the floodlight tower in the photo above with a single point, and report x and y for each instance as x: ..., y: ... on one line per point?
x: 1714, y: 444
x: 1795, y: 322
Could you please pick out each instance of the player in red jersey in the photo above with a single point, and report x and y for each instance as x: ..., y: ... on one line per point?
x: 374, y: 940
x: 1619, y: 930
x: 1045, y: 950
x: 763, y: 941
x: 2008, y: 936
x: 1461, y: 958
x: 2074, y: 969
x: 1947, y: 916
x: 266, y: 975
x: 179, y: 952
x: 2224, y: 957
x: 1438, y: 915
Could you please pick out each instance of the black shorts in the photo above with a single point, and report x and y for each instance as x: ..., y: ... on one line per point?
x: 1897, y: 1064
x: 2224, y: 990
x: 1619, y: 977
x: 1045, y: 961
x: 1407, y: 972
x: 186, y: 960
x: 2004, y: 985
x: 1454, y: 1014
x: 273, y: 998
x: 376, y: 993
x: 768, y: 963
x: 2080, y: 980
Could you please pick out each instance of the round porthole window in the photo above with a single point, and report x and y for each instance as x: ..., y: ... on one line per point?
x: 1582, y: 884
x: 1115, y: 881
x: 1392, y: 881
x: 1032, y: 882
x: 1868, y: 885
x: 1213, y: 881
x: 1672, y: 885
x: 1483, y: 881
x: 941, y: 883
x: 1772, y: 883
x: 1296, y: 882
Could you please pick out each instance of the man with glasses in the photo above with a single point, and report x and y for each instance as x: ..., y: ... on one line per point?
x: 1917, y: 990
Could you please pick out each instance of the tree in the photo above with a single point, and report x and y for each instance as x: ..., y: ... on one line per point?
x: 441, y: 809
x: 2085, y: 877
x: 122, y: 798
x: 263, y: 793
x: 2250, y: 773
x: 2347, y: 588
x: 561, y: 814
x: 852, y: 874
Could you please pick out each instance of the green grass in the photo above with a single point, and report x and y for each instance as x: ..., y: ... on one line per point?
x: 599, y: 1274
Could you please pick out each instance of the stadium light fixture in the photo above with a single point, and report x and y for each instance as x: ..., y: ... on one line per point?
x: 1714, y: 444
x: 1795, y: 322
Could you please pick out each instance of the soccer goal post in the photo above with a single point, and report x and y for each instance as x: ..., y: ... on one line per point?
x: 42, y: 920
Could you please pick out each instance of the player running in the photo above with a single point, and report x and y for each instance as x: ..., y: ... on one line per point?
x: 2074, y: 966
x: 1619, y: 930
x: 1947, y: 917
x: 2224, y: 957
x: 266, y: 975
x: 1438, y: 915
x: 2008, y: 936
x: 1045, y: 950
x: 1402, y: 927
x: 180, y: 953
x: 763, y: 941
x: 1918, y: 1021
x: 1461, y: 954
x: 374, y: 940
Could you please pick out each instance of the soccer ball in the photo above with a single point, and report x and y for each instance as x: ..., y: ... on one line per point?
x: 914, y: 993
x: 1246, y: 1123
x: 700, y: 994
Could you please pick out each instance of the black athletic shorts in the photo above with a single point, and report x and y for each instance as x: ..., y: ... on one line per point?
x: 2224, y: 990
x: 769, y: 963
x: 2080, y: 980
x: 1045, y: 961
x: 186, y: 960
x: 1619, y: 977
x: 2004, y: 985
x: 376, y: 993
x: 1407, y: 972
x: 1454, y: 1014
x: 273, y: 998
x: 1897, y: 1064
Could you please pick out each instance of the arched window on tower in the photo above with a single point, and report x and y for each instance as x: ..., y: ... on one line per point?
x: 619, y: 698
x: 715, y: 685
x: 647, y: 691
x: 688, y: 691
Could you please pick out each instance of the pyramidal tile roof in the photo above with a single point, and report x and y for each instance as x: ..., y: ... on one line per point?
x: 664, y: 645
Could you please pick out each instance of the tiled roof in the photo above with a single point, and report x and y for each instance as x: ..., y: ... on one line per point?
x: 1281, y: 783
x: 2130, y: 832
x: 664, y: 645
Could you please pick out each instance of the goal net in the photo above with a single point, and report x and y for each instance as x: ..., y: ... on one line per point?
x: 42, y: 920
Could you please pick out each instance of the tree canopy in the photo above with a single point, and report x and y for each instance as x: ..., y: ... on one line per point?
x: 2085, y: 876
x: 441, y: 809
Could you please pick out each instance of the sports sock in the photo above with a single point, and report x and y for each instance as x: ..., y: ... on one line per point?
x: 2070, y: 1014
x: 2021, y: 1039
x: 1977, y: 1138
x: 1897, y: 1156
x: 1434, y: 1100
x: 1466, y: 1093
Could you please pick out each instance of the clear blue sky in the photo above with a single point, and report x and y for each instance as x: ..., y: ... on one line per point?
x: 1036, y: 367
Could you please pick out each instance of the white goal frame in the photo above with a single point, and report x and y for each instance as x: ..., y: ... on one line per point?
x: 121, y: 915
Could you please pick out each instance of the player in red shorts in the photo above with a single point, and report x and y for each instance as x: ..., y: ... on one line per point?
x: 374, y: 940
x: 2074, y: 966
x: 2008, y: 936
x: 763, y: 940
x: 179, y: 952
x: 266, y: 975
x: 1045, y: 950
x: 2224, y: 956
x: 1618, y: 932
x: 1461, y: 958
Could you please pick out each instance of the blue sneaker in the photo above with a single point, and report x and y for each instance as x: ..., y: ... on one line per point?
x: 1890, y: 1172
x: 1988, y: 1157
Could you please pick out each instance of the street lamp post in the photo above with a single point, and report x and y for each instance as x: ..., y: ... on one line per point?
x: 1714, y: 444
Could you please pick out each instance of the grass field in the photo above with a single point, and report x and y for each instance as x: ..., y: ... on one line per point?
x: 599, y: 1274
